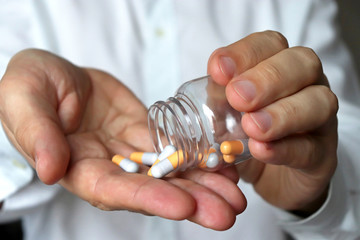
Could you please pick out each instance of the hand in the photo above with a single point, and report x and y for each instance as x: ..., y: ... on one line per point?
x: 290, y: 118
x: 69, y: 121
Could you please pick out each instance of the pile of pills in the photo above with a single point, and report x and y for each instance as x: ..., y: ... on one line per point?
x: 171, y: 158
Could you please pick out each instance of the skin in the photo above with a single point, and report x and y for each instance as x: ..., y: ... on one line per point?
x: 69, y: 121
x: 290, y: 118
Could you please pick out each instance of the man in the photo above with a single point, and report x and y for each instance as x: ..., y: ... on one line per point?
x: 67, y: 120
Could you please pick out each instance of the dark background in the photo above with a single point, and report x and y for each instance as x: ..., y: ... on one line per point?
x: 349, y: 19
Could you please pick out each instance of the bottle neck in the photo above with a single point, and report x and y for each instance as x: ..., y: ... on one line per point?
x: 177, y: 122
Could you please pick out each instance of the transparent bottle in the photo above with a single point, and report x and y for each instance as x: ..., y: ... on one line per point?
x: 196, y: 120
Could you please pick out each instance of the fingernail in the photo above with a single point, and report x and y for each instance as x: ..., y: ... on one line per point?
x: 245, y: 89
x: 227, y: 66
x: 262, y: 119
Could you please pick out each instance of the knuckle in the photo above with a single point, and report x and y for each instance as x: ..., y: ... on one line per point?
x: 277, y: 38
x: 331, y: 99
x: 289, y: 110
x: 270, y: 72
x: 30, y: 52
x: 311, y: 59
x: 25, y: 55
x: 251, y: 55
x: 100, y: 205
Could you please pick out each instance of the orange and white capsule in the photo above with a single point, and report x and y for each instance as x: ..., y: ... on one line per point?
x: 213, y: 159
x: 168, y: 150
x: 126, y: 164
x: 149, y: 171
x: 233, y: 147
x: 167, y: 165
x: 146, y: 158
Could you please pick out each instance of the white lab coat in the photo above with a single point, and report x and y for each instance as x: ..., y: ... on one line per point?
x: 154, y: 46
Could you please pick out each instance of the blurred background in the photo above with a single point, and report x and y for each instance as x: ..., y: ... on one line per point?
x: 349, y: 19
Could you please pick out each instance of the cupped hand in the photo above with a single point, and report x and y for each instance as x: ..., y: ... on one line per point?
x: 69, y: 121
x: 290, y: 118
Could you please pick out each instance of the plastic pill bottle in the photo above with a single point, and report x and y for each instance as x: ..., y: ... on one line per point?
x: 197, y: 119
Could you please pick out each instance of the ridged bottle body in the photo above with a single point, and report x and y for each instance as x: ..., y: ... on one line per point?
x: 196, y: 121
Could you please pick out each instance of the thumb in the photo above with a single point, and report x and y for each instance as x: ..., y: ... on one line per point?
x: 28, y: 111
x: 36, y: 133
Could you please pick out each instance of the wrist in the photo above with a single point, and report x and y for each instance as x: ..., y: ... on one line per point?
x: 313, y: 206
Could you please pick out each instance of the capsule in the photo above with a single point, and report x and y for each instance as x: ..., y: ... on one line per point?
x: 126, y: 164
x: 149, y: 172
x: 168, y: 150
x: 232, y: 147
x: 146, y: 158
x: 229, y: 158
x: 213, y: 155
x: 213, y: 160
x: 167, y: 165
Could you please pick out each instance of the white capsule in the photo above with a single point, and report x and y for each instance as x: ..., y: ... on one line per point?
x: 161, y: 169
x: 129, y: 166
x: 168, y: 150
x: 126, y: 164
x: 213, y: 160
x: 166, y: 166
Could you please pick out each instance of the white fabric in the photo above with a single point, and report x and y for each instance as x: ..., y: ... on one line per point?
x: 154, y: 46
x: 15, y: 172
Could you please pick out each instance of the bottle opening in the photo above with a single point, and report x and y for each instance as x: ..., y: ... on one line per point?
x: 166, y: 128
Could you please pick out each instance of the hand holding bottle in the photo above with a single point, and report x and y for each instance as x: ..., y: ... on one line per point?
x: 290, y: 118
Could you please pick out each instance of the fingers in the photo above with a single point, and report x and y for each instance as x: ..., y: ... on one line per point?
x: 309, y: 151
x: 282, y: 90
x: 304, y: 111
x: 279, y: 76
x: 264, y: 70
x: 218, y: 199
x: 231, y: 173
x: 298, y: 131
x: 221, y: 185
x: 230, y: 61
x: 211, y: 210
x: 285, y: 95
x: 208, y: 199
x: 116, y: 190
x: 289, y: 116
x: 47, y: 77
x: 31, y: 128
